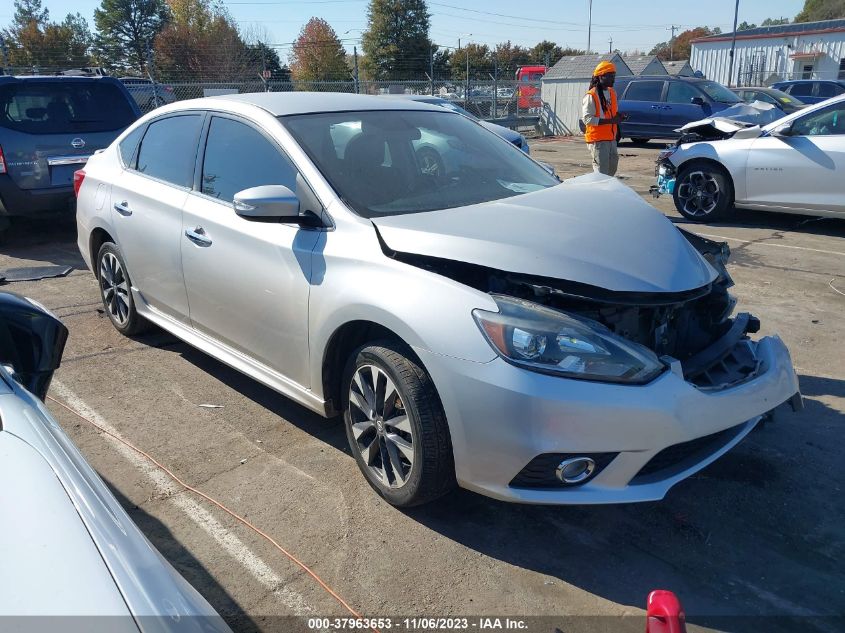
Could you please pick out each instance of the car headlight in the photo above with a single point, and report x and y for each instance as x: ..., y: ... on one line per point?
x: 543, y: 339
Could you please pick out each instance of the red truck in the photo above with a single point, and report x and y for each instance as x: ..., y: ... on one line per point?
x: 528, y: 90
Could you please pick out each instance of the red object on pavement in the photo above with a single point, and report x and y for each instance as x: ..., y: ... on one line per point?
x: 664, y: 613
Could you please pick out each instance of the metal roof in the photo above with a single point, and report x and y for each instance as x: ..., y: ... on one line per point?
x: 639, y: 63
x: 779, y: 30
x: 286, y: 103
x: 582, y: 66
x: 673, y: 68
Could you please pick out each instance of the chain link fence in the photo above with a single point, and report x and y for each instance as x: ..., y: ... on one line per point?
x: 511, y: 103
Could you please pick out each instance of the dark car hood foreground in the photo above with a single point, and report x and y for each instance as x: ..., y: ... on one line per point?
x: 591, y: 230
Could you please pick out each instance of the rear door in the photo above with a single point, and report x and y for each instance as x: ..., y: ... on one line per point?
x: 147, y: 201
x: 679, y: 109
x: 51, y: 127
x: 804, y: 90
x: 642, y: 102
x: 248, y: 281
x: 804, y: 171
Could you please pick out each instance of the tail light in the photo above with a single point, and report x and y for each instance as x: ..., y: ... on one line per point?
x: 168, y: 88
x: 664, y: 613
x: 78, y: 177
x: 2, y: 162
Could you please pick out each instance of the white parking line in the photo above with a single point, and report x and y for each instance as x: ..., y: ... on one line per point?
x: 224, y: 537
x: 758, y: 243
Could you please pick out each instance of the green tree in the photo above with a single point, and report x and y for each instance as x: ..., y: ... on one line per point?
x: 34, y: 41
x: 480, y: 62
x: 539, y: 52
x: 745, y: 26
x: 318, y: 54
x: 774, y: 21
x: 815, y: 10
x: 265, y: 58
x: 27, y: 11
x: 509, y: 57
x: 681, y: 46
x: 396, y: 43
x: 127, y: 29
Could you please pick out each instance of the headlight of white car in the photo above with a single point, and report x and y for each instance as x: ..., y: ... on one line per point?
x: 543, y: 339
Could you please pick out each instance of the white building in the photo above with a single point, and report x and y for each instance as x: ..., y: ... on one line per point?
x: 809, y: 50
x: 564, y: 86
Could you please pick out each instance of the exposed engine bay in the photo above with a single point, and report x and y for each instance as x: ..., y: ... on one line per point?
x: 693, y: 328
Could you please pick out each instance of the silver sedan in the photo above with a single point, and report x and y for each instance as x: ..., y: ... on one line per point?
x: 483, y: 324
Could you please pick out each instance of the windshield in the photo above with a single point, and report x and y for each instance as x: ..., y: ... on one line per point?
x: 718, y: 92
x: 781, y: 96
x: 395, y: 162
x: 58, y: 107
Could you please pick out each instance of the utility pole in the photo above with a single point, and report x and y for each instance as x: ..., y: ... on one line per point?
x: 355, y: 70
x: 589, y: 25
x: 466, y: 88
x: 495, y: 112
x: 672, y: 28
x: 5, y: 52
x: 610, y: 50
x: 733, y: 46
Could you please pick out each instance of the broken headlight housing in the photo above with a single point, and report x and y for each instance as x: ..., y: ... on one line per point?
x: 542, y: 339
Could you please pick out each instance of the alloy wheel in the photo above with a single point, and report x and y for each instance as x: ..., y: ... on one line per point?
x: 380, y: 426
x: 699, y: 193
x: 114, y: 288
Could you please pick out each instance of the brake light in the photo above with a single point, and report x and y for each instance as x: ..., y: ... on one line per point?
x: 78, y: 177
x: 169, y: 88
x: 2, y: 162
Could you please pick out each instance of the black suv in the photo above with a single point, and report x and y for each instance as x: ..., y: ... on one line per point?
x: 49, y: 126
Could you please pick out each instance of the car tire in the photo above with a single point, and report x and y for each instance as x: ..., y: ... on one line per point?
x: 406, y: 458
x: 115, y: 291
x: 716, y: 197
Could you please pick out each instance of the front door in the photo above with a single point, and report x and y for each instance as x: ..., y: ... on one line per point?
x: 803, y: 171
x: 247, y: 281
x: 679, y: 108
x: 643, y: 103
x: 147, y: 203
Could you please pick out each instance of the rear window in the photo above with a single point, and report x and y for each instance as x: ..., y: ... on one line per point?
x: 830, y: 90
x: 644, y: 91
x: 52, y: 107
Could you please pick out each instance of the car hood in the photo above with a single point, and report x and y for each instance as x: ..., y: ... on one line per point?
x: 505, y: 132
x: 591, y: 230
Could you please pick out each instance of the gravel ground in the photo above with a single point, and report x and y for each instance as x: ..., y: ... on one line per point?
x: 758, y: 534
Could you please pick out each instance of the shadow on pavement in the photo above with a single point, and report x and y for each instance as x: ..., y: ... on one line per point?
x: 187, y: 565
x: 43, y: 240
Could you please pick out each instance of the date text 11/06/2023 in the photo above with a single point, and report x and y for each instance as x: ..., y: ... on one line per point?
x: 417, y: 624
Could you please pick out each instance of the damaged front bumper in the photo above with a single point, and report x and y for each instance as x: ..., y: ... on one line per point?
x: 665, y: 173
x: 511, y: 428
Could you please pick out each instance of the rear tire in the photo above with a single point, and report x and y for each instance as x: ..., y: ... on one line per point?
x: 396, y: 425
x: 703, y: 192
x: 116, y: 291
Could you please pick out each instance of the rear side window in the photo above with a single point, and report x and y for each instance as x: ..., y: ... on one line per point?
x: 128, y: 145
x: 238, y: 157
x: 802, y: 90
x: 829, y: 90
x: 64, y: 107
x: 169, y: 149
x: 644, y: 91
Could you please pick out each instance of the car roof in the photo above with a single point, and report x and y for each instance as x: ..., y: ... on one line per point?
x: 7, y: 79
x: 809, y: 81
x: 661, y: 78
x: 290, y: 103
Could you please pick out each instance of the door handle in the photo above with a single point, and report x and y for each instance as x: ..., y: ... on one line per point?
x: 655, y: 107
x: 198, y: 236
x: 123, y: 208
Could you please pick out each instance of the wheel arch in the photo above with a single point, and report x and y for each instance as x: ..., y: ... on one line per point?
x: 98, y: 237
x: 706, y: 160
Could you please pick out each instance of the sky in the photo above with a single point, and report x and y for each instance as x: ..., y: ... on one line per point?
x: 630, y: 24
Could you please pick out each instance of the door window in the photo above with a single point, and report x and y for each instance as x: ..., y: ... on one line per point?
x: 680, y: 92
x: 644, y: 91
x: 804, y: 89
x: 238, y: 157
x: 829, y: 121
x: 169, y: 149
x: 126, y: 148
x: 828, y: 90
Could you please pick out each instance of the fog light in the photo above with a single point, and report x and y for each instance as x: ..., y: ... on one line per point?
x: 575, y: 470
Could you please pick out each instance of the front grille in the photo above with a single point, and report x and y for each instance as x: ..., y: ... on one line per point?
x: 540, y: 471
x: 678, y: 457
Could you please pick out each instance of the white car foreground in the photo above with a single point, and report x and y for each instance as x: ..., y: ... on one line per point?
x: 481, y: 324
x: 793, y: 165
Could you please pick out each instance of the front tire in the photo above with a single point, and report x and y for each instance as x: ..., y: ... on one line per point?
x: 116, y: 291
x: 396, y: 426
x: 703, y: 192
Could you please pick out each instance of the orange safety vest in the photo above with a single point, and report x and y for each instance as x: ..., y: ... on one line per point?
x: 596, y: 133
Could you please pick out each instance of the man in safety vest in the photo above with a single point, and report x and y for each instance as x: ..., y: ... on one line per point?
x: 601, y: 119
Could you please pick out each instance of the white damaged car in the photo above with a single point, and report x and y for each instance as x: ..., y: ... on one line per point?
x: 793, y: 165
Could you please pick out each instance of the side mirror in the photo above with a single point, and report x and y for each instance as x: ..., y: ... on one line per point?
x: 699, y: 101
x: 267, y: 202
x: 782, y: 130
x: 32, y: 341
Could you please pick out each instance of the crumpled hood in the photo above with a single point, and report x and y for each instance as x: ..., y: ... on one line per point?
x: 591, y: 229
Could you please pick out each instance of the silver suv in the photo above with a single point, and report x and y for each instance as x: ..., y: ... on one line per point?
x: 481, y: 324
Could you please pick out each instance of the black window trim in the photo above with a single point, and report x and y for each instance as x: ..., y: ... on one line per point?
x: 196, y: 188
x: 169, y: 115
